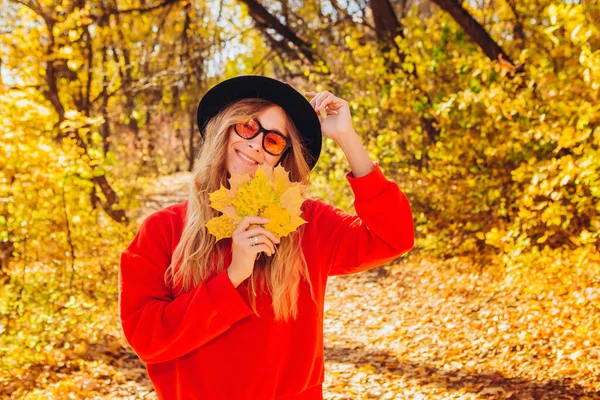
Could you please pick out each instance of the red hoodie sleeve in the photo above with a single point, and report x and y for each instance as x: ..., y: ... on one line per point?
x: 380, y: 231
x: 157, y: 326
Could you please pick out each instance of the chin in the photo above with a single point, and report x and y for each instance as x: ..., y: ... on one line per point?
x: 239, y: 169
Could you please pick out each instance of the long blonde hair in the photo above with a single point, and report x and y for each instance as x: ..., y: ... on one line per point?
x: 197, y: 250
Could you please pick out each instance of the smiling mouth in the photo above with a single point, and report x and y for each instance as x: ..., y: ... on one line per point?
x: 246, y: 159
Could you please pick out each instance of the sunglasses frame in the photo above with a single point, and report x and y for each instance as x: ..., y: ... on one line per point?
x: 261, y: 129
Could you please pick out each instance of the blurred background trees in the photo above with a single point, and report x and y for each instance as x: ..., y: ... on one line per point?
x: 485, y: 112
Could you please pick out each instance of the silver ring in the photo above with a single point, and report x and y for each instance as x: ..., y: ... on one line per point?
x: 254, y: 240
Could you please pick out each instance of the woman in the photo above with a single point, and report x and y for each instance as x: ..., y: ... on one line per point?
x: 185, y: 304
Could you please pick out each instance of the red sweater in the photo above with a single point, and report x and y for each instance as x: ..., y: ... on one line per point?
x: 207, y: 343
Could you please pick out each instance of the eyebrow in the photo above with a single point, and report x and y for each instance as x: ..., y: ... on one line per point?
x: 269, y: 129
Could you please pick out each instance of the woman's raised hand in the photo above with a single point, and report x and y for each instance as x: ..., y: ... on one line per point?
x: 246, y: 245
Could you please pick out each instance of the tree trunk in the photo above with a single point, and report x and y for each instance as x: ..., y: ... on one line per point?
x: 474, y: 29
x: 265, y: 20
x: 387, y: 28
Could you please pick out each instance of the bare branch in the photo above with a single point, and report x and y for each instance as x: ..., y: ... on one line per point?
x: 474, y: 29
x: 265, y: 19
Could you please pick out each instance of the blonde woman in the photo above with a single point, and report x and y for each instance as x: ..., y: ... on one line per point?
x: 187, y: 304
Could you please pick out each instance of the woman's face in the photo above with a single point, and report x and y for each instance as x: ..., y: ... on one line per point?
x: 240, y: 149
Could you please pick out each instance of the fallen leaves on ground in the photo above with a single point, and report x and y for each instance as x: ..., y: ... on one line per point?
x: 443, y: 330
x: 425, y: 329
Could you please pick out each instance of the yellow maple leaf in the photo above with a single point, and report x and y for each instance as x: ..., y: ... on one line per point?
x: 222, y: 226
x: 292, y: 198
x: 296, y: 222
x: 268, y: 194
x: 236, y: 181
x: 255, y: 195
x: 280, y: 220
x: 220, y: 198
x: 281, y: 178
x: 231, y: 212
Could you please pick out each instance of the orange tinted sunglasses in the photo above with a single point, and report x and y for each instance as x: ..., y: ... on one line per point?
x: 273, y: 142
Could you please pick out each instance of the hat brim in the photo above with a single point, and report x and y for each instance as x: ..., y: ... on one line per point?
x: 284, y: 95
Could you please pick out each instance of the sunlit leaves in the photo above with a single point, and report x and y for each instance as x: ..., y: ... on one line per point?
x: 269, y: 194
x: 509, y: 168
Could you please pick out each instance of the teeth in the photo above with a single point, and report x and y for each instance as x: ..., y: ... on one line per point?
x: 246, y: 158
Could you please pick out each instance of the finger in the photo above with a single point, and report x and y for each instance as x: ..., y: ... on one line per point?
x: 317, y: 99
x: 312, y: 102
x: 314, y: 99
x: 332, y: 103
x: 259, y: 230
x: 247, y: 221
x: 324, y: 101
x: 262, y: 248
x: 262, y: 239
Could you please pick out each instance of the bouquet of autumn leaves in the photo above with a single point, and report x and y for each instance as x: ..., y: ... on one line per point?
x: 270, y: 194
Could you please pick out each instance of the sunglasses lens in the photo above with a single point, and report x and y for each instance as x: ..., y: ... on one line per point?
x: 247, y: 129
x: 274, y: 143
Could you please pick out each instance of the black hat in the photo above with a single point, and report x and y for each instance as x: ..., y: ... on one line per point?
x: 281, y: 93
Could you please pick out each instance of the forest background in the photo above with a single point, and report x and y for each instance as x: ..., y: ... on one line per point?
x: 485, y: 112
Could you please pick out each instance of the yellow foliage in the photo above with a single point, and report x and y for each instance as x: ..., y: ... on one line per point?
x: 220, y: 198
x: 255, y: 195
x: 270, y: 194
x: 221, y: 227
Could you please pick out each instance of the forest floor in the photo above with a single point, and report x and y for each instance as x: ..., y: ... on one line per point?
x: 417, y: 329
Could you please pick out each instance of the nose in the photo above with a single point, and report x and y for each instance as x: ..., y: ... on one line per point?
x: 256, y: 143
